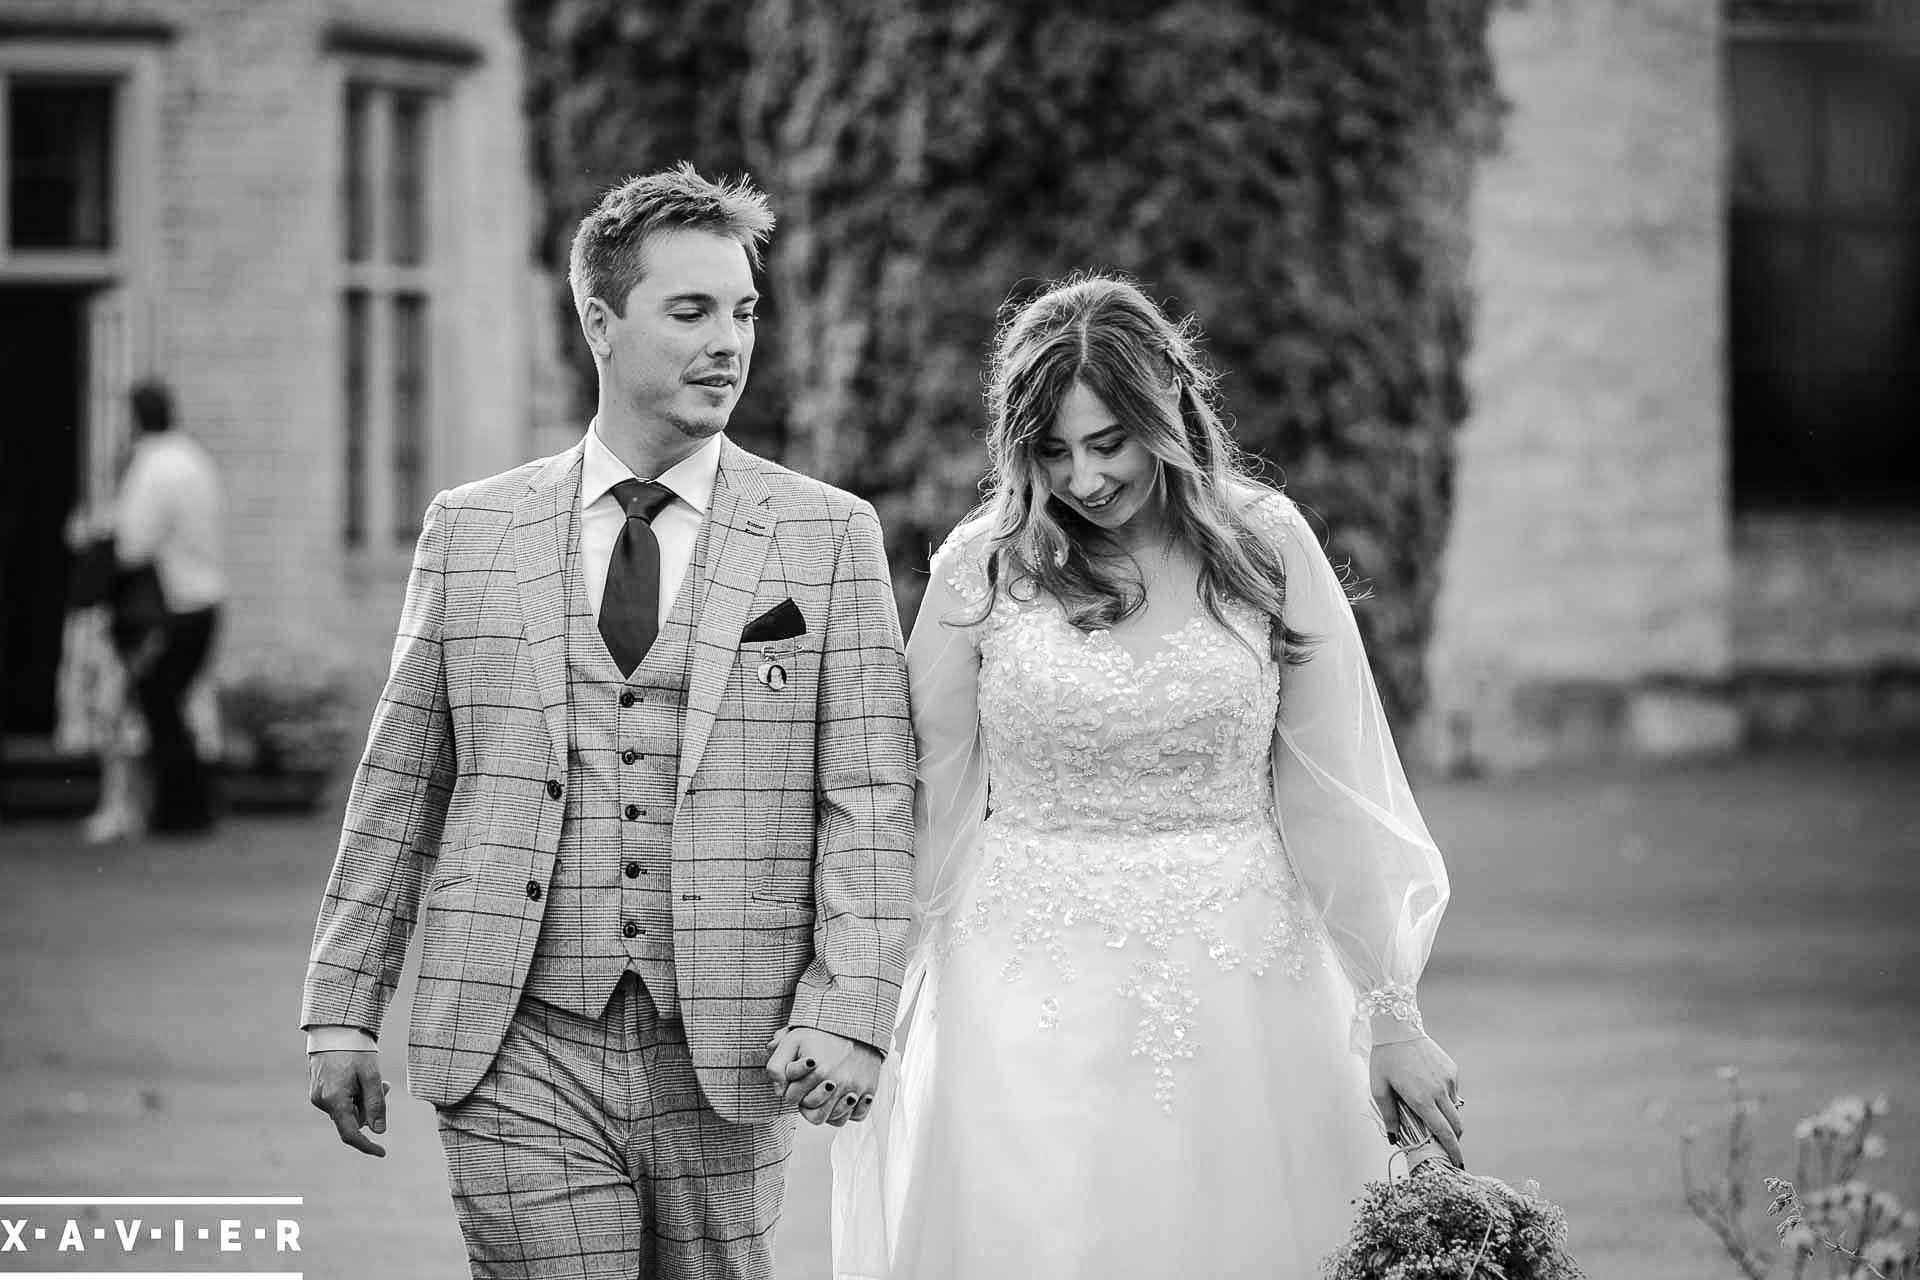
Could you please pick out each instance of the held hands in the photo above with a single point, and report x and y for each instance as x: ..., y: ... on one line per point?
x: 830, y: 1077
x: 346, y: 1084
x: 1417, y: 1078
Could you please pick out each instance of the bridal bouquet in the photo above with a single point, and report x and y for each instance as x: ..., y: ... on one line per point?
x: 1443, y: 1223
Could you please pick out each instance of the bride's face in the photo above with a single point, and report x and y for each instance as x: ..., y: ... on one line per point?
x: 1094, y: 464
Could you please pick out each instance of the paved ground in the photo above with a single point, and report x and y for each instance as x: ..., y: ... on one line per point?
x: 1616, y: 936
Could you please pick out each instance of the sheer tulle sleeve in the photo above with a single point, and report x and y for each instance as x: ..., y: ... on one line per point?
x: 943, y: 668
x: 1347, y: 816
x: 873, y: 1160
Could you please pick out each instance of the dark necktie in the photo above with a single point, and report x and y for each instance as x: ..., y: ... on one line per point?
x: 630, y: 605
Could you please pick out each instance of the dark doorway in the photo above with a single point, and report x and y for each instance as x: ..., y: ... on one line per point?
x: 42, y: 428
x: 1823, y: 271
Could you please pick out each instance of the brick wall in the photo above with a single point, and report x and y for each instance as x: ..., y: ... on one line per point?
x: 1587, y: 578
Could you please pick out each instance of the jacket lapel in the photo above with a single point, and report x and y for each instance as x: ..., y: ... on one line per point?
x: 742, y: 530
x: 541, y: 532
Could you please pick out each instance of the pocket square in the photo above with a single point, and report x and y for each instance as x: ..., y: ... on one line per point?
x: 782, y: 622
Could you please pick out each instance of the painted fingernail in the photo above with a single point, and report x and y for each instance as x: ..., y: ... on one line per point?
x: 828, y: 1086
x: 809, y: 1064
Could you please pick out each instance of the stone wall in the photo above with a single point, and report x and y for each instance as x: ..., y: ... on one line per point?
x: 1585, y: 595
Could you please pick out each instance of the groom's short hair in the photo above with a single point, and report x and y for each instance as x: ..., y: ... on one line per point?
x: 609, y: 247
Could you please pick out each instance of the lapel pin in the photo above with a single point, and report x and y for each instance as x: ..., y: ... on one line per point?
x: 772, y: 674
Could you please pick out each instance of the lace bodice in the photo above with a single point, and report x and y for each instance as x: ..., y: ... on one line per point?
x: 1083, y: 735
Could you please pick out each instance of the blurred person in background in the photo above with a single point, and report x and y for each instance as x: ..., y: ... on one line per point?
x: 94, y: 707
x: 1175, y: 891
x: 167, y: 600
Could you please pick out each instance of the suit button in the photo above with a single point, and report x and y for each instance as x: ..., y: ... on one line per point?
x: 627, y: 698
x: 630, y: 929
x: 629, y: 755
x: 554, y: 788
x: 633, y: 871
x: 633, y: 811
x: 533, y: 890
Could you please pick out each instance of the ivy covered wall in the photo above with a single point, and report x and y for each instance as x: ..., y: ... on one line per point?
x: 1295, y: 174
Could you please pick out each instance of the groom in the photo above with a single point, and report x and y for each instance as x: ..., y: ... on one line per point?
x: 644, y: 763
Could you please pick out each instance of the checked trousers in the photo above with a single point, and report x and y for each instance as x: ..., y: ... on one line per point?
x: 588, y: 1152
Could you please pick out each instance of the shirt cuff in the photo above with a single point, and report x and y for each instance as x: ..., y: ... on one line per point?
x: 337, y: 1039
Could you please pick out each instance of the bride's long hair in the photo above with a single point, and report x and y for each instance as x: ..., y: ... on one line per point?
x: 1101, y: 332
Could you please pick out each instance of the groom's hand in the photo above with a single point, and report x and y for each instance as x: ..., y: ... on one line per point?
x: 346, y: 1084
x: 829, y: 1077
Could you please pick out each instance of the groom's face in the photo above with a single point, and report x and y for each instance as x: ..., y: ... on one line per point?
x: 680, y: 353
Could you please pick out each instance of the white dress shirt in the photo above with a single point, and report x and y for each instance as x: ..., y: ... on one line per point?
x: 676, y: 527
x: 169, y: 516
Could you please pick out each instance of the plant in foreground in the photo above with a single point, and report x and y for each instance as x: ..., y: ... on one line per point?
x: 1854, y: 1231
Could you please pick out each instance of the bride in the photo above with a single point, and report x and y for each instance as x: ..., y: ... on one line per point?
x: 1176, y: 892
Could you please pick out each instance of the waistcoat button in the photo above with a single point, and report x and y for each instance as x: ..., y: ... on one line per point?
x: 533, y: 890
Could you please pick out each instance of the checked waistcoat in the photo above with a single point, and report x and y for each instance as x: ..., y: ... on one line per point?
x: 610, y: 902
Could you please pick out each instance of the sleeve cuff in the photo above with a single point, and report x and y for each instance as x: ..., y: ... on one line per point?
x: 1391, y: 1014
x: 846, y: 1010
x: 336, y: 1039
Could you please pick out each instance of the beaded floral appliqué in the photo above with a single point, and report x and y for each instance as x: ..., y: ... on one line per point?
x: 1130, y: 802
x: 1393, y: 999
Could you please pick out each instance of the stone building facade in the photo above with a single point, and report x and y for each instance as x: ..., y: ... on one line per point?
x: 311, y: 219
x: 1666, y: 540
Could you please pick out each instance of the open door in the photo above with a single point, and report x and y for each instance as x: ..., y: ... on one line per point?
x: 109, y: 378
x: 43, y: 442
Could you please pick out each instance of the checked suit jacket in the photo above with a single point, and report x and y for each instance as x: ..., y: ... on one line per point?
x: 793, y: 828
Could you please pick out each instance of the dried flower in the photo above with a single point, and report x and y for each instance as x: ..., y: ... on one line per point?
x: 1798, y: 1238
x: 1883, y: 1255
x: 1865, y: 1234
x: 1441, y: 1221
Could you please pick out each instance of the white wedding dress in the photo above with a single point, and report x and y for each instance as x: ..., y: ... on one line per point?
x: 1170, y: 902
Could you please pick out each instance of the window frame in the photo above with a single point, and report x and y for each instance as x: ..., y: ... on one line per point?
x: 132, y: 70
x: 387, y: 529
x: 124, y: 276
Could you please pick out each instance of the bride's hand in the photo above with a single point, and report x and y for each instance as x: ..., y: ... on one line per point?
x: 1420, y: 1075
